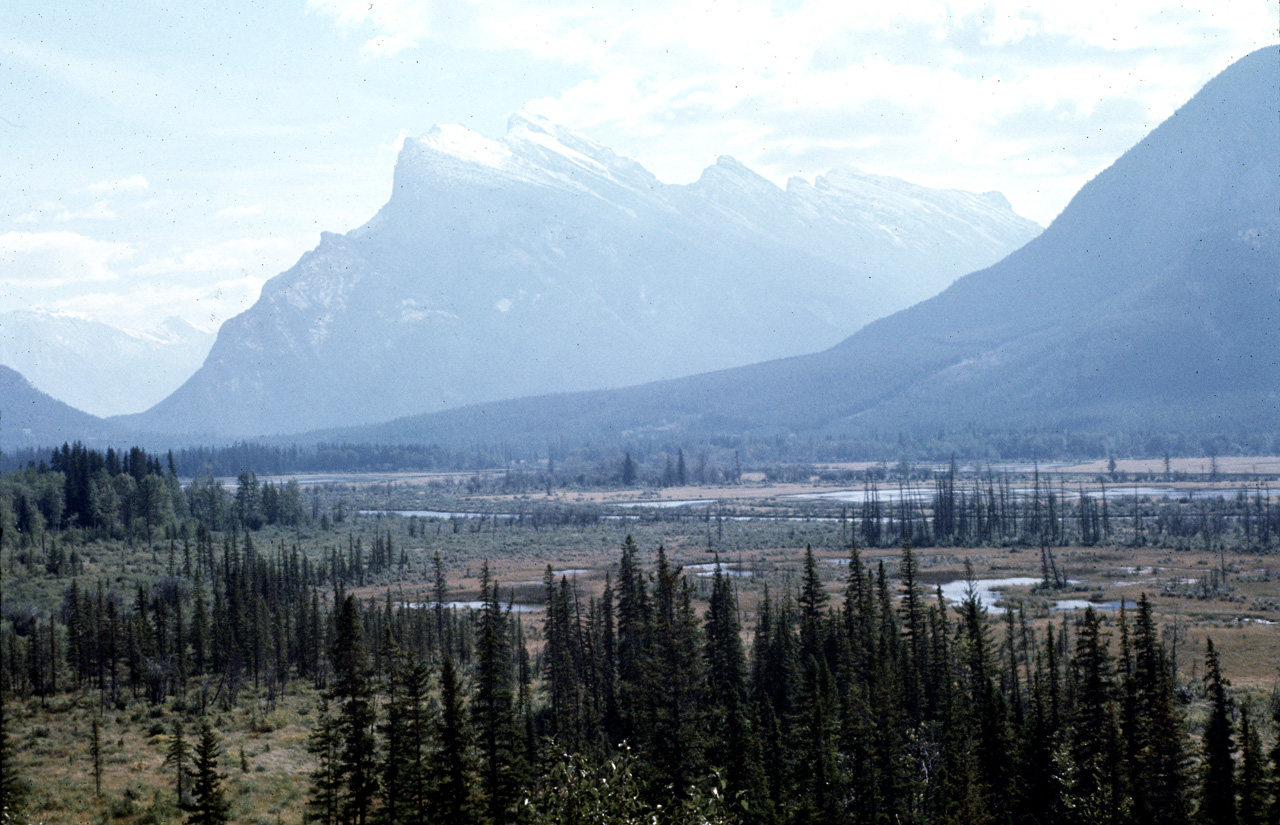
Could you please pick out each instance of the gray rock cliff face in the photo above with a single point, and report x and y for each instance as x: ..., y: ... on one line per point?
x: 543, y: 262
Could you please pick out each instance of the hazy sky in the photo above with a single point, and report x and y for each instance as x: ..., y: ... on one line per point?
x: 163, y: 158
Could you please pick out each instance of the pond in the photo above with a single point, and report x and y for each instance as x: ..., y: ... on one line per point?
x: 990, y: 591
x: 515, y: 608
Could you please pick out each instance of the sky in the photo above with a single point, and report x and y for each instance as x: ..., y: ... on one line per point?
x: 167, y: 158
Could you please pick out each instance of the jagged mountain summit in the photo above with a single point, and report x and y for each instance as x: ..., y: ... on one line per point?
x: 97, y: 367
x: 544, y: 262
x: 1150, y: 307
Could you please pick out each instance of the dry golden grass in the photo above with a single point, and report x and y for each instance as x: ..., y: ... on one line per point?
x: 52, y: 756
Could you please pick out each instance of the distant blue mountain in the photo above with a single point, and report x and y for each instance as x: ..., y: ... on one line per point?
x: 100, y: 368
x: 543, y: 262
x: 31, y: 418
x: 1152, y: 304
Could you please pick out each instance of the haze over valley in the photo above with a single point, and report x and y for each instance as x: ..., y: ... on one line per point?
x: 802, y: 413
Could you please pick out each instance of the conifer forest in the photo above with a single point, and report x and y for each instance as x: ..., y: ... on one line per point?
x: 532, y: 647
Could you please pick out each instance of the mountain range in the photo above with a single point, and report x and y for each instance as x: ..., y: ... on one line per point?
x: 1151, y: 304
x: 544, y: 262
x: 1148, y: 306
x: 97, y: 367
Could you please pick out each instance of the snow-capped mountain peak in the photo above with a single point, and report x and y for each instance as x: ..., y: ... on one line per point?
x: 542, y: 261
x: 465, y: 145
x: 97, y: 367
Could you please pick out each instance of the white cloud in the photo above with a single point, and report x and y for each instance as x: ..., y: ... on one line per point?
x: 927, y: 83
x: 236, y: 255
x: 203, y: 303
x: 133, y: 183
x: 241, y: 211
x: 38, y: 261
x: 67, y: 272
x: 98, y: 211
x: 399, y: 24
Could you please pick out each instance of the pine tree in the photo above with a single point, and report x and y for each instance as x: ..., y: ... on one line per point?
x: 409, y: 735
x: 1218, y: 794
x: 455, y: 798
x: 176, y: 757
x: 209, y: 806
x: 325, y: 744
x: 1252, y: 782
x: 493, y: 708
x: 353, y: 694
x: 1094, y: 781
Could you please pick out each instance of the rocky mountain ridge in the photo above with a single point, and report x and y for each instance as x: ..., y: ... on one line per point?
x: 544, y: 262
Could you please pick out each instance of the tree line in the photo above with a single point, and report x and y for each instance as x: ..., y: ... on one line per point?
x: 888, y: 706
x: 882, y: 705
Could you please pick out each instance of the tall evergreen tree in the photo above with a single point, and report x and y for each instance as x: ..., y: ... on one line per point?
x: 1252, y: 779
x: 455, y: 780
x: 410, y: 736
x: 1218, y: 794
x: 813, y: 601
x: 673, y: 682
x: 352, y: 693
x: 1155, y: 737
x: 733, y: 744
x: 493, y: 706
x: 325, y: 744
x: 209, y: 806
x: 632, y: 640
x: 1094, y: 779
x: 177, y: 758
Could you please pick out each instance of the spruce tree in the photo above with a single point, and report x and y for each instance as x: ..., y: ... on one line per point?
x: 209, y: 804
x: 1218, y: 793
x: 325, y: 744
x: 493, y: 707
x: 1094, y: 780
x: 353, y: 694
x: 1155, y: 736
x: 455, y: 797
x: 733, y: 742
x: 176, y: 758
x: 410, y: 736
x: 632, y: 642
x: 813, y: 601
x: 1252, y: 781
x: 673, y: 682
